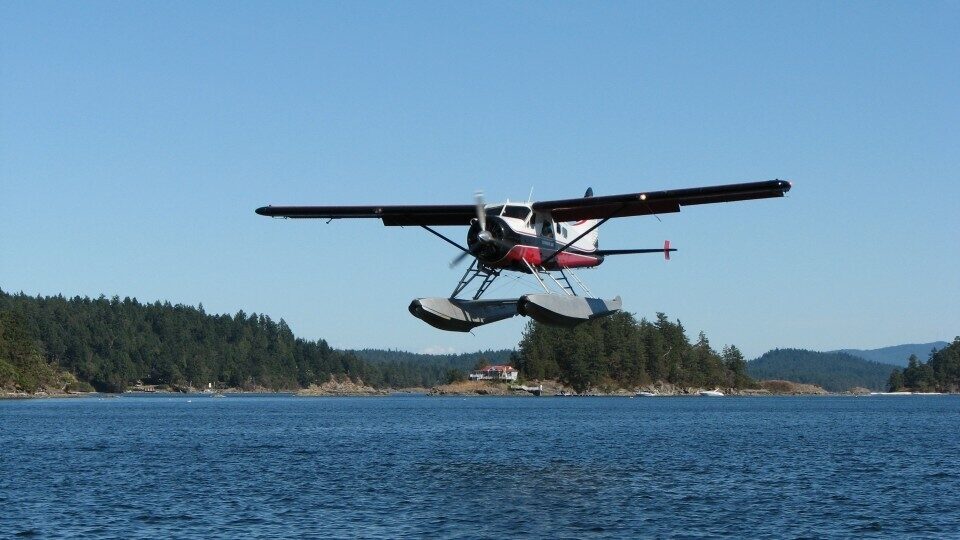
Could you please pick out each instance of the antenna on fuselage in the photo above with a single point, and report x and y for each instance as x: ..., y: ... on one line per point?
x: 530, y: 197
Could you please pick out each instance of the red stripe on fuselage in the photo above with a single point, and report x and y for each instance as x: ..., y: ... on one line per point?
x: 534, y: 256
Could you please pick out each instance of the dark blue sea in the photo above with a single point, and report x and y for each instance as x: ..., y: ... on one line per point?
x: 416, y: 466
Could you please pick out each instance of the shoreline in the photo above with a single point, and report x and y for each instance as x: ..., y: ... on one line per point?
x: 15, y: 396
x: 347, y: 388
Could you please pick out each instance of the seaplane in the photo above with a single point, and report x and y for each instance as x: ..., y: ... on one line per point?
x: 548, y: 240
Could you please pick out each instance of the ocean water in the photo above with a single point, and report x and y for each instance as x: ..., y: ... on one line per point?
x: 415, y: 466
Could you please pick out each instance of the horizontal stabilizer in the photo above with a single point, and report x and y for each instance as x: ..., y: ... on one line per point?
x: 666, y: 249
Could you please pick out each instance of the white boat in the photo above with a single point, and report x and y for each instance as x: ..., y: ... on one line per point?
x: 646, y: 394
x: 711, y: 393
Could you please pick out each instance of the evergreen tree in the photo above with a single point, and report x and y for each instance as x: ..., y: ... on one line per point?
x: 113, y: 343
x: 895, y: 383
x: 618, y: 351
x: 736, y: 365
x: 22, y: 366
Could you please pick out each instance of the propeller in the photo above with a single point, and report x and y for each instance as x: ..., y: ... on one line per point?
x: 484, y: 236
x: 481, y: 213
x: 459, y: 258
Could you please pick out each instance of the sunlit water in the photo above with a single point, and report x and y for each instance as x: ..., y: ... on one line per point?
x: 281, y: 466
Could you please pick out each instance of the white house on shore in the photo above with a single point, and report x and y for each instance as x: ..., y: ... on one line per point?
x: 495, y: 373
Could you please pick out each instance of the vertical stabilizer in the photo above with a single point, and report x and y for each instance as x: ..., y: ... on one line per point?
x: 590, y: 241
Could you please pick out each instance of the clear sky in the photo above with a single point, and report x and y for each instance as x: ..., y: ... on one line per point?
x: 136, y: 139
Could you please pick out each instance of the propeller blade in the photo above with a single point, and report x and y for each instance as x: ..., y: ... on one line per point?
x: 484, y: 237
x: 481, y: 213
x: 459, y: 259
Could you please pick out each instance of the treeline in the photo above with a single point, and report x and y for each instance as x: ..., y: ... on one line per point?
x: 22, y: 366
x: 113, y: 343
x: 834, y: 371
x: 941, y: 372
x: 459, y: 361
x: 402, y: 369
x: 620, y: 352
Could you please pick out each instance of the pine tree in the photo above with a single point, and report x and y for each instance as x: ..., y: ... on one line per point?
x: 896, y: 381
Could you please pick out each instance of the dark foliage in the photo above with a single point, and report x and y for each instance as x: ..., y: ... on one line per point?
x: 835, y: 372
x: 941, y: 373
x: 112, y: 343
x: 22, y: 366
x: 618, y: 351
x: 407, y: 369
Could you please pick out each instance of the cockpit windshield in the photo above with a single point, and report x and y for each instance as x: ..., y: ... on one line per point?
x: 517, y: 212
x: 510, y: 211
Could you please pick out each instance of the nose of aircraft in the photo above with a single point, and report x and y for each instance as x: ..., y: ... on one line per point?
x: 489, y: 244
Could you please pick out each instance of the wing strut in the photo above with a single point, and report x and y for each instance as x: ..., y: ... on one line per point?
x: 445, y: 239
x: 584, y: 233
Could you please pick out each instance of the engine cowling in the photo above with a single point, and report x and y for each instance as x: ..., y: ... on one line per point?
x: 494, y: 243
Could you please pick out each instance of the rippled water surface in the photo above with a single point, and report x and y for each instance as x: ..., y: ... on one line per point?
x: 480, y: 467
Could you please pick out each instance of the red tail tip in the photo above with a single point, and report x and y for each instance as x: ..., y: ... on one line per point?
x: 666, y: 250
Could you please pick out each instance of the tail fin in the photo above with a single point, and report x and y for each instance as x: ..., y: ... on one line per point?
x: 592, y: 239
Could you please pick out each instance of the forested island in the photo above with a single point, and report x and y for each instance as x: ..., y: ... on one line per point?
x: 110, y: 344
x: 113, y: 344
x: 833, y: 371
x: 620, y: 352
x: 941, y: 373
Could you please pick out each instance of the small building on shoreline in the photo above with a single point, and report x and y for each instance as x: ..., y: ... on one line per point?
x: 495, y: 373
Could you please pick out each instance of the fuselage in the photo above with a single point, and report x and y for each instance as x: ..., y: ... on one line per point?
x: 521, y: 235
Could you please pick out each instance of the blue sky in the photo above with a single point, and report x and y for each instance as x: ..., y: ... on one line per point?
x: 136, y: 139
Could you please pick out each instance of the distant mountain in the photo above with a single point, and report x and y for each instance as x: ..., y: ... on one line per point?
x: 896, y: 355
x: 834, y: 371
x: 461, y: 362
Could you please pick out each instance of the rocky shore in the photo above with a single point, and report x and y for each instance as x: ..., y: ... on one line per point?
x: 345, y: 387
x: 476, y: 388
x: 13, y: 394
x: 787, y: 388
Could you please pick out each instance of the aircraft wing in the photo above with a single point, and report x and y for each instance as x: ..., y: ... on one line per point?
x: 658, y: 202
x: 433, y: 214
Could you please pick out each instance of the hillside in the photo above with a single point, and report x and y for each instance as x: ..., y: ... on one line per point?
x: 113, y: 343
x: 896, y: 355
x: 22, y: 366
x: 834, y: 371
x: 620, y: 352
x: 940, y: 374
